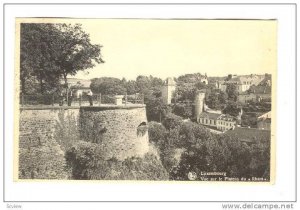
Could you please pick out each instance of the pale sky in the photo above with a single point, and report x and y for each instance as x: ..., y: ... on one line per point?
x: 169, y: 48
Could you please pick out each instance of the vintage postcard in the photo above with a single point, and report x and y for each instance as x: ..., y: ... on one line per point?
x: 145, y: 99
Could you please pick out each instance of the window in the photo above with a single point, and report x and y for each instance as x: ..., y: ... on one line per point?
x: 142, y: 129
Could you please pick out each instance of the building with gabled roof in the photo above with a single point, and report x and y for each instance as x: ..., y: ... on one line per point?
x: 257, y: 93
x: 222, y: 122
x: 243, y: 82
x: 264, y: 121
x: 78, y: 86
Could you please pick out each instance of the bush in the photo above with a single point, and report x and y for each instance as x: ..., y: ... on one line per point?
x: 107, y: 99
x: 157, y: 133
x: 87, y: 163
x: 183, y: 110
x: 66, y: 130
x: 38, y: 99
x: 172, y: 121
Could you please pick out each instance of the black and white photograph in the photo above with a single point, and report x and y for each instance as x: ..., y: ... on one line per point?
x: 149, y: 105
x: 145, y: 99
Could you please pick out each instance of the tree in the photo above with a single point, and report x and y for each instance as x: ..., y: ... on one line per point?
x: 212, y: 100
x: 50, y: 52
x: 156, y: 85
x: 183, y: 110
x: 131, y: 87
x: 222, y: 97
x: 108, y: 86
x: 232, y: 92
x: 157, y: 134
x: 155, y: 108
x: 143, y: 84
x: 232, y: 109
x: 74, y: 50
x: 187, y: 85
x: 185, y: 91
x: 193, y: 160
x: 172, y: 121
x: 216, y: 99
x: 37, y: 64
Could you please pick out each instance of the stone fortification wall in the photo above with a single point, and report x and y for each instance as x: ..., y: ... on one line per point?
x: 45, y: 134
x: 41, y: 146
x: 121, y: 131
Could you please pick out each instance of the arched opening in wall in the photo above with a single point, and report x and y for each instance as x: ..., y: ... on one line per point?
x: 99, y: 130
x: 142, y: 129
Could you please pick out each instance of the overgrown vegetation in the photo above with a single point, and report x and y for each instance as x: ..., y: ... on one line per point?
x: 66, y: 129
x: 188, y: 147
x: 86, y: 163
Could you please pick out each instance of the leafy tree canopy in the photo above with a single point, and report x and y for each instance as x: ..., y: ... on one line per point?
x: 187, y: 85
x: 232, y: 92
x: 108, y: 86
x: 50, y: 52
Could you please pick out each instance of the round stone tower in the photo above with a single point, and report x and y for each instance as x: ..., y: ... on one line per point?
x: 120, y: 131
x: 199, y: 104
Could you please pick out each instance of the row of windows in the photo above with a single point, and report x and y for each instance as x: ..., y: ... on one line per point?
x: 207, y: 121
x: 223, y: 128
x: 213, y: 122
x: 247, y: 83
x: 226, y: 123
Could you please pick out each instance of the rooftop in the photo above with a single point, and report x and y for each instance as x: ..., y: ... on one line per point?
x: 260, y: 89
x: 79, y: 82
x: 226, y: 117
x: 250, y: 134
x: 252, y: 79
x: 212, y: 116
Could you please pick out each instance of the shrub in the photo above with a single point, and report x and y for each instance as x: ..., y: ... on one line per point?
x: 183, y: 110
x: 87, y: 163
x: 172, y: 121
x: 66, y: 130
x: 157, y: 133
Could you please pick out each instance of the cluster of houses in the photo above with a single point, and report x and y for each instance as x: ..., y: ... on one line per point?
x: 255, y: 88
x: 250, y: 88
